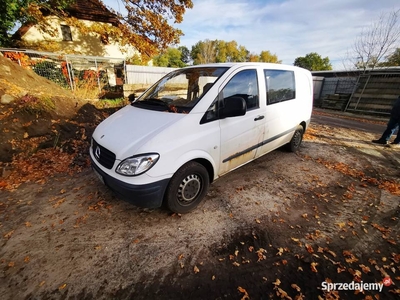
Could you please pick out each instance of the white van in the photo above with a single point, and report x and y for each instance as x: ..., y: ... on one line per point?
x: 197, y: 124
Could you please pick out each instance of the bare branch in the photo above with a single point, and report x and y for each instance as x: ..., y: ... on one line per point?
x: 377, y: 41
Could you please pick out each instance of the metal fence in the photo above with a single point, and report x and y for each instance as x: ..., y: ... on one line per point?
x: 375, y: 93
x: 372, y: 93
x: 72, y: 71
x: 145, y: 75
x: 338, y: 85
x: 333, y: 92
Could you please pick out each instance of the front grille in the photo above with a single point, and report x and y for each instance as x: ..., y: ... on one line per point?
x: 105, y: 157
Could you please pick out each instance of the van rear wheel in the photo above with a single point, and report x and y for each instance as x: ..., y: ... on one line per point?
x: 296, y: 140
x: 187, y: 188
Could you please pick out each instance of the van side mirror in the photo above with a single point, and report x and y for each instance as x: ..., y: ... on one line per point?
x: 234, y: 107
x: 131, y: 98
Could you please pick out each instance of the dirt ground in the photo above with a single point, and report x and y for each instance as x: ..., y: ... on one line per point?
x: 274, y: 229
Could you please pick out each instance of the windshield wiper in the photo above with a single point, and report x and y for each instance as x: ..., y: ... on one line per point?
x: 152, y: 101
x: 156, y: 102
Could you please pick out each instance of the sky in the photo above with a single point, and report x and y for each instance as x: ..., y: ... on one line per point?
x: 287, y: 28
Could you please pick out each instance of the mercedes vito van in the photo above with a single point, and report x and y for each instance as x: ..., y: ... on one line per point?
x: 197, y: 124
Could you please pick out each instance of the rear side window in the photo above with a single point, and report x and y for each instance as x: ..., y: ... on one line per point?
x: 280, y: 85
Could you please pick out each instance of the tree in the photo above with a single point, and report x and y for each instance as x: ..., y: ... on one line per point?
x: 253, y: 57
x: 136, y: 59
x: 268, y: 57
x: 230, y: 52
x: 145, y: 24
x: 218, y: 51
x: 204, y: 52
x: 9, y: 11
x: 393, y: 60
x: 13, y: 12
x: 221, y: 51
x: 265, y: 56
x: 171, y: 58
x: 185, y: 54
x: 377, y: 41
x: 313, y: 62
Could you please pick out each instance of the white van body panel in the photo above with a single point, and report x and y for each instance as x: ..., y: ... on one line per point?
x: 220, y: 144
x: 125, y: 131
x: 181, y: 142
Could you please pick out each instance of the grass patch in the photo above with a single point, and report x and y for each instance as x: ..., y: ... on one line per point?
x: 111, y: 103
x: 33, y: 104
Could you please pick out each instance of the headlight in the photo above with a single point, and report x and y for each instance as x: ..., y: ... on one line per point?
x: 137, y: 165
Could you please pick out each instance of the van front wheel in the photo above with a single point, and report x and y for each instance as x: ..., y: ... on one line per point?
x: 187, y: 188
x: 296, y: 140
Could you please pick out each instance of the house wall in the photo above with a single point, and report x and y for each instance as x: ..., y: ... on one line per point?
x: 82, y: 44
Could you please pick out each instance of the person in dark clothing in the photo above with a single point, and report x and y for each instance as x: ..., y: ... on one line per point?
x: 392, y: 125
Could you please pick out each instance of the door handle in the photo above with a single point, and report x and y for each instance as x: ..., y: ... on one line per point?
x: 258, y: 118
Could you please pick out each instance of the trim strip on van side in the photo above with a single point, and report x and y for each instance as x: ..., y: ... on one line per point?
x: 258, y: 145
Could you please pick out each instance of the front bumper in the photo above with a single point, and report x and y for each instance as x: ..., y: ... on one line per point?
x: 147, y: 195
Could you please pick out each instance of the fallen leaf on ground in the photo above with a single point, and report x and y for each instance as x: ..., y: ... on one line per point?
x: 313, y: 267
x: 246, y: 295
x: 296, y: 287
x: 309, y: 248
x: 9, y: 234
x: 277, y: 282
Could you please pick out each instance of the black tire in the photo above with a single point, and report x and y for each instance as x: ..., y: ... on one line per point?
x: 187, y: 188
x: 296, y: 140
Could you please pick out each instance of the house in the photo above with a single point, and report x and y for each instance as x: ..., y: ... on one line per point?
x: 62, y: 37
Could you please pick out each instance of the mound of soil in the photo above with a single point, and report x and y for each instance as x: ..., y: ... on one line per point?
x: 34, y: 146
x: 37, y: 114
x: 17, y: 83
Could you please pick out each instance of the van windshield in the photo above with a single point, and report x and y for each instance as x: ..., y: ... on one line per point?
x: 180, y: 90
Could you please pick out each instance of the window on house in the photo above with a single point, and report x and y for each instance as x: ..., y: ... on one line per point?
x: 66, y: 33
x: 280, y: 85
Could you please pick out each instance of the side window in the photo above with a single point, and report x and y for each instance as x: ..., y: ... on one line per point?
x: 66, y: 33
x: 280, y: 85
x: 244, y: 84
x: 211, y: 113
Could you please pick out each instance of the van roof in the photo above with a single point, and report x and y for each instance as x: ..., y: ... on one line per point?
x: 256, y: 64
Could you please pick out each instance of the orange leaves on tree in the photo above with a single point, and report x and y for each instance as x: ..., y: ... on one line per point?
x: 22, y: 59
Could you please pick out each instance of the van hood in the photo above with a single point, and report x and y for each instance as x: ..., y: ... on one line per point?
x: 125, y: 131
